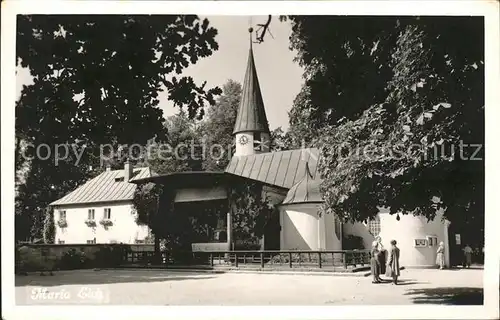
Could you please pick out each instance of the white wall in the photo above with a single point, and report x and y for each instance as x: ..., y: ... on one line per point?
x: 248, y: 148
x: 200, y: 194
x: 124, y: 228
x: 405, y: 231
x: 303, y: 229
x: 244, y: 149
x: 409, y: 228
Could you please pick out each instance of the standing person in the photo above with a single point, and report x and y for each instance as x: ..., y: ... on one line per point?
x: 468, y: 256
x: 440, y: 256
x: 374, y: 263
x: 381, y: 255
x: 392, y: 268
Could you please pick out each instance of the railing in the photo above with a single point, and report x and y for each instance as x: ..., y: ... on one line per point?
x: 259, y: 259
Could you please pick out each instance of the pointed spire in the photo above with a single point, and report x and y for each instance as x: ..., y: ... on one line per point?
x: 251, y: 112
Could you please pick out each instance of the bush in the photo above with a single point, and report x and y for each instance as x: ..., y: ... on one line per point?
x: 107, y: 256
x: 72, y: 260
x: 300, y: 258
x: 352, y: 242
x: 29, y: 259
x: 247, y: 246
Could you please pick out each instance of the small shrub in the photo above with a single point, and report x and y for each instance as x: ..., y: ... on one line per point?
x: 247, y: 246
x: 72, y: 260
x: 352, y: 242
x: 108, y: 256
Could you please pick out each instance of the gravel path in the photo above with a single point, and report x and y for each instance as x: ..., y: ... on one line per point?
x: 153, y: 287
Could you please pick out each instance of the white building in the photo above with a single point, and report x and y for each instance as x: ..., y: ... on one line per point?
x: 101, y: 210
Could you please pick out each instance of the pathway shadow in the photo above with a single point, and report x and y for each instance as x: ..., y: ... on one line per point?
x: 103, y: 278
x: 447, y: 296
x: 408, y: 282
x: 403, y: 282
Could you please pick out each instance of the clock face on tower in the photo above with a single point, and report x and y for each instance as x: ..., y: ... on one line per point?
x: 243, y: 140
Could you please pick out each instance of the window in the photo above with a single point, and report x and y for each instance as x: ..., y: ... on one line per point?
x: 107, y: 213
x: 91, y: 214
x: 432, y: 241
x: 60, y: 241
x: 91, y: 241
x: 420, y: 243
x: 62, y: 214
x: 374, y: 226
x: 257, y: 143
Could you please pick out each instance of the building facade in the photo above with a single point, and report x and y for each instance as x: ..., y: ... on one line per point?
x: 101, y: 210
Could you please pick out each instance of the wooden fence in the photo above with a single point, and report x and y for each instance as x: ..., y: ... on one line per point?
x: 262, y: 259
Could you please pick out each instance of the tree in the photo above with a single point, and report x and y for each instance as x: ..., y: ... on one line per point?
x: 281, y: 140
x: 97, y: 81
x: 219, y: 125
x: 388, y: 84
x: 49, y: 228
x: 346, y: 63
x: 146, y: 208
x: 301, y: 121
x: 251, y: 211
x: 179, y: 153
x: 434, y: 105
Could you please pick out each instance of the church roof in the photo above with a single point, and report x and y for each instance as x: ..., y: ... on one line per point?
x: 306, y: 190
x: 282, y: 168
x: 251, y: 115
x: 109, y: 186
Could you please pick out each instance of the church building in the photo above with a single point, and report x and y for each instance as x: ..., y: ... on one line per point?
x: 291, y: 180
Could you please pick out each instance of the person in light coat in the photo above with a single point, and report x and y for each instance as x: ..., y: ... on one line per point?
x: 468, y: 256
x: 440, y: 256
x: 392, y: 267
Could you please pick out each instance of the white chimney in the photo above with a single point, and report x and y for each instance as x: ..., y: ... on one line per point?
x: 108, y: 167
x: 127, y: 171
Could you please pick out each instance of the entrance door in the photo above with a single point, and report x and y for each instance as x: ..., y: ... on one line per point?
x: 455, y: 238
x: 272, y: 233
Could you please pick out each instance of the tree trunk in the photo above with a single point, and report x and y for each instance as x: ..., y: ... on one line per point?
x: 157, y: 258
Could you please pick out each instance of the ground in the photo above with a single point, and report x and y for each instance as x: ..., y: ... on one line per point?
x: 162, y: 287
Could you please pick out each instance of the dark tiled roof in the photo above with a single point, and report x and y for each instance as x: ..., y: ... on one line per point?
x: 283, y: 169
x: 305, y: 191
x: 251, y: 112
x: 106, y: 187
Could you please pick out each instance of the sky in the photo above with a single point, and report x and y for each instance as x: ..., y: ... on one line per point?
x: 279, y: 76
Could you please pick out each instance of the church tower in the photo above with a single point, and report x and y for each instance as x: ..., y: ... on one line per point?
x: 251, y: 129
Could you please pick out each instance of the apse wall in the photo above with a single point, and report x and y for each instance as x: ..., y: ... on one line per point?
x: 303, y: 229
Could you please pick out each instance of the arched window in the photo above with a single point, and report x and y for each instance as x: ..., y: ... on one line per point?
x: 257, y: 145
x: 374, y: 226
